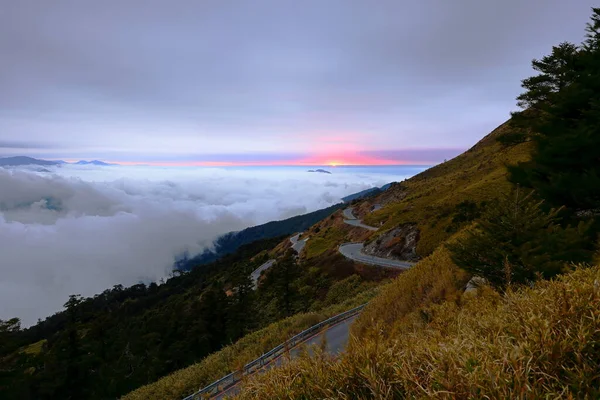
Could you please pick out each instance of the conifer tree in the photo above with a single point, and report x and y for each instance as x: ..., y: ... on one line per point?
x: 557, y: 71
x: 564, y: 116
x: 516, y: 241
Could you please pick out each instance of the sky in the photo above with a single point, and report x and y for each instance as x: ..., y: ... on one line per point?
x: 223, y: 82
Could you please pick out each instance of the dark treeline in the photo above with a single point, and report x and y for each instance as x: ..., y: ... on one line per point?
x: 230, y: 242
x: 107, y: 345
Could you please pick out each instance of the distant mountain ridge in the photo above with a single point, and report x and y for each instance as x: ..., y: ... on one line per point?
x: 232, y: 241
x: 366, y: 193
x: 93, y: 162
x: 24, y: 160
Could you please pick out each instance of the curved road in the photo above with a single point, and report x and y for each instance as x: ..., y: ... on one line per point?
x: 256, y: 273
x: 354, y: 252
x: 336, y: 338
x: 298, y: 245
x: 350, y: 219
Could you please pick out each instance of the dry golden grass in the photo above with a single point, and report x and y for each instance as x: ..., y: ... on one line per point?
x: 34, y: 348
x: 231, y: 358
x: 540, y: 342
x: 433, y: 280
x: 326, y: 235
x: 477, y: 175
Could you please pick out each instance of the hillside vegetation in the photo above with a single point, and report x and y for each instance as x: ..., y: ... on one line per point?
x: 115, y: 342
x: 233, y: 357
x: 530, y: 343
x: 519, y: 211
x: 532, y: 327
x: 439, y: 201
x: 432, y: 198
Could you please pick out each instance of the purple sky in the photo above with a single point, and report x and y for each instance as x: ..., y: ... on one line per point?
x: 411, y: 81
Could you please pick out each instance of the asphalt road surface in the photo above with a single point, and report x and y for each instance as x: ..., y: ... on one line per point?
x: 336, y: 338
x: 298, y: 245
x: 348, y: 213
x: 354, y: 252
x: 256, y: 273
x: 350, y: 219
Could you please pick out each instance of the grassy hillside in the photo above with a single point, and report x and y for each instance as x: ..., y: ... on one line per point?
x: 432, y: 199
x: 428, y: 199
x: 232, y: 241
x: 539, y: 342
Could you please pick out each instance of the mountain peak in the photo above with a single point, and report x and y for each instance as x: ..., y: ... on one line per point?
x: 93, y: 162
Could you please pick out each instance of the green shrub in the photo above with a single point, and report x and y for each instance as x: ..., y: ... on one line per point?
x: 516, y: 241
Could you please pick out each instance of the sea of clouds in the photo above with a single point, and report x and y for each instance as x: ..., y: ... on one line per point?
x: 82, y: 229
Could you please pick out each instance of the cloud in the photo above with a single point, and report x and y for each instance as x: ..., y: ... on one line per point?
x: 267, y: 75
x: 82, y: 229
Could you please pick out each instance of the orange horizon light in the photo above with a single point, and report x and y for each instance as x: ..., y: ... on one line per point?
x: 311, y: 161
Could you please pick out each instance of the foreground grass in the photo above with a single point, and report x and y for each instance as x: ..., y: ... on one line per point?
x: 434, y: 280
x: 540, y: 342
x: 231, y: 358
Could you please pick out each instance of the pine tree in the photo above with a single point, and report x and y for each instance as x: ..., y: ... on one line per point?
x: 564, y: 116
x: 281, y: 285
x: 592, y: 42
x: 557, y: 71
x: 516, y: 241
x: 240, y: 311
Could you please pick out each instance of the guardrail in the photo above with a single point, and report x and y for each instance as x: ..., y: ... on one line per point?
x: 230, y: 380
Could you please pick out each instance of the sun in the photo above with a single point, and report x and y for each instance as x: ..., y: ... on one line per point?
x: 334, y: 163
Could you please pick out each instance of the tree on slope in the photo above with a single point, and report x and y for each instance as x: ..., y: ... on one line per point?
x: 564, y: 116
x: 557, y: 71
x: 517, y: 242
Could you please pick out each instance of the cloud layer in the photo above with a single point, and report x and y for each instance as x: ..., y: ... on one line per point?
x: 82, y: 229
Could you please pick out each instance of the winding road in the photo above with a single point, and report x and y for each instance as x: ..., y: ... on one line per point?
x: 256, y: 273
x: 350, y: 219
x: 336, y: 336
x: 298, y: 245
x: 353, y: 251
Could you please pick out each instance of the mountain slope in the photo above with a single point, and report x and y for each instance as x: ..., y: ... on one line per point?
x: 158, y: 329
x: 438, y: 201
x: 231, y: 241
x: 439, y: 279
x: 538, y: 342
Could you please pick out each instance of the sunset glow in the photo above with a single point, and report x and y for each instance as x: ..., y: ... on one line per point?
x: 308, y: 162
